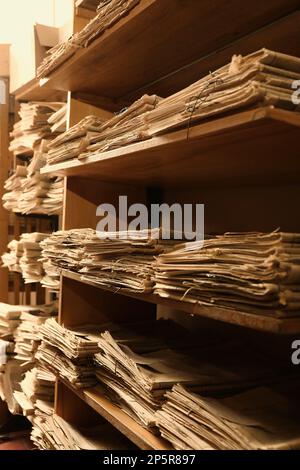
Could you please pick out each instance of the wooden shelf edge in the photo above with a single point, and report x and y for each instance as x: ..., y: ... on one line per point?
x: 282, y: 326
x: 221, y: 126
x: 144, y: 439
x: 32, y: 91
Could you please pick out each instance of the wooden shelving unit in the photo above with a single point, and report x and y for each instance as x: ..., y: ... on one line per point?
x: 244, y: 147
x: 159, y: 47
x: 244, y: 167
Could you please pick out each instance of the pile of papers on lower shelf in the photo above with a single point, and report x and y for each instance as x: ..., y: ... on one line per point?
x: 27, y: 335
x: 254, y: 272
x: 10, y: 378
x: 138, y: 363
x: 69, y: 353
x: 34, y: 125
x: 109, y: 12
x: 19, y: 338
x: 35, y: 194
x: 54, y: 433
x: 36, y: 397
x: 264, y: 418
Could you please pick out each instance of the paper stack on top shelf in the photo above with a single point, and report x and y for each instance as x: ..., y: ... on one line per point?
x: 109, y: 12
x: 254, y: 272
x: 264, y: 78
x: 264, y: 418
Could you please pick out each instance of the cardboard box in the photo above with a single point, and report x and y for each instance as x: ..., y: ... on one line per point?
x: 28, y: 55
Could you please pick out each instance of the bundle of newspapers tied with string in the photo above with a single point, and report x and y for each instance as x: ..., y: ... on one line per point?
x: 35, y: 392
x: 38, y: 121
x: 119, y: 260
x: 108, y: 13
x: 33, y: 194
x: 94, y: 135
x: 19, y: 338
x: 69, y: 352
x: 263, y: 78
x: 139, y: 362
x: 253, y: 272
x: 263, y: 418
x: 24, y: 257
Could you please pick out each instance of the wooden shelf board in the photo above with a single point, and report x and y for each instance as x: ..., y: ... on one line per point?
x: 157, y: 38
x: 32, y: 91
x: 144, y: 439
x: 247, y: 147
x: 284, y: 326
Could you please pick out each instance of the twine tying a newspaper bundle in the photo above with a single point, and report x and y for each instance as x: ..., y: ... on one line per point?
x: 195, y: 102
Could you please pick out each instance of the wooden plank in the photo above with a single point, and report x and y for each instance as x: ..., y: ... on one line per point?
x: 32, y: 91
x: 151, y: 42
x: 120, y: 420
x: 285, y: 326
x: 243, y: 148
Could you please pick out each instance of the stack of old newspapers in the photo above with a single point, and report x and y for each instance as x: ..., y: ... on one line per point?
x: 37, y: 121
x: 109, y: 12
x: 263, y: 418
x: 118, y: 260
x: 94, y: 135
x: 138, y: 363
x: 254, y: 272
x: 55, y: 433
x: 33, y: 194
x: 69, y: 352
